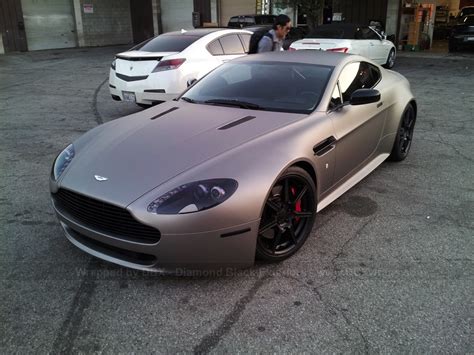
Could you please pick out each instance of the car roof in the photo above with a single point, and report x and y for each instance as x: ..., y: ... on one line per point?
x: 199, y: 32
x: 302, y: 56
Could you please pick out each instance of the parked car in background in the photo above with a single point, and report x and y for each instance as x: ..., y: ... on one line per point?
x: 465, y: 11
x: 462, y: 35
x: 242, y: 21
x: 159, y: 68
x: 350, y: 38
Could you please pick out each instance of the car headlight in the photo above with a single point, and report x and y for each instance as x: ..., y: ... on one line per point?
x: 62, y: 161
x: 193, y: 197
x: 113, y: 64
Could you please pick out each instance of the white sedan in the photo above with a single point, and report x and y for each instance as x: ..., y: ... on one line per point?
x: 350, y: 38
x: 159, y: 69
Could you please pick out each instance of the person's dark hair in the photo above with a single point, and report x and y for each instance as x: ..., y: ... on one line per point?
x: 281, y: 20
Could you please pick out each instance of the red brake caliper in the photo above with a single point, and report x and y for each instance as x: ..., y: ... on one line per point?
x: 298, y: 203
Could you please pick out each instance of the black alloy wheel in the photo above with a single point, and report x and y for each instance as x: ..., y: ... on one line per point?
x: 404, y: 137
x: 288, y: 216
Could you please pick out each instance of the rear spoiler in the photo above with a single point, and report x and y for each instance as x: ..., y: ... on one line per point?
x: 134, y: 59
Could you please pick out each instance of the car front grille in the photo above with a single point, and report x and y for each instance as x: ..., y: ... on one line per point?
x: 104, y: 217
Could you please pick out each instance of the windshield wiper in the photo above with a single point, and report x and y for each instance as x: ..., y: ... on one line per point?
x: 187, y: 99
x: 242, y: 104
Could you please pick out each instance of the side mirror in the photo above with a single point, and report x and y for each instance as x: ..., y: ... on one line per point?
x: 384, y: 35
x: 191, y: 82
x: 364, y: 96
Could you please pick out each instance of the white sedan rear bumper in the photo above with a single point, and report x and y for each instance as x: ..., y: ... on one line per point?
x: 156, y: 87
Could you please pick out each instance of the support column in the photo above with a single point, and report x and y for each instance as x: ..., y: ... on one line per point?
x: 79, y: 26
x: 157, y: 26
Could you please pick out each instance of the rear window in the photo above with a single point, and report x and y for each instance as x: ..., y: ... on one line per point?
x: 166, y: 43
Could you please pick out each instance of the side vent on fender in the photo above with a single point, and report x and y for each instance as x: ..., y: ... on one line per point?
x: 236, y: 123
x: 164, y: 113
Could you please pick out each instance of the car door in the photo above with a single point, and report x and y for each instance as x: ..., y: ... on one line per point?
x: 357, y: 128
x: 366, y: 41
x: 380, y: 52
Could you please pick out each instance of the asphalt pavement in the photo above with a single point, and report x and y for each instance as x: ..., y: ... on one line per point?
x: 388, y: 267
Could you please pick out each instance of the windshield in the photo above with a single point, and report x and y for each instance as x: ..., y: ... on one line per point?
x: 466, y: 11
x: 272, y: 86
x: 166, y: 43
x: 469, y: 20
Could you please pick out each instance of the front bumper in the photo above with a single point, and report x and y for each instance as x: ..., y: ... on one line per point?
x: 228, y: 248
x: 157, y: 87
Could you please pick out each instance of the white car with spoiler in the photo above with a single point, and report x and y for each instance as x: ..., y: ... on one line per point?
x: 158, y: 69
x: 350, y: 38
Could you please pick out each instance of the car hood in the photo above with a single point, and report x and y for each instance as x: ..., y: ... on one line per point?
x: 140, y: 152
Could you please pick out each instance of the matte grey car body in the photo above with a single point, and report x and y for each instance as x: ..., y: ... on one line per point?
x: 147, y: 154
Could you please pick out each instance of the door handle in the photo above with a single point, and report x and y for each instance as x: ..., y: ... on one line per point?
x: 325, y: 146
x: 379, y: 104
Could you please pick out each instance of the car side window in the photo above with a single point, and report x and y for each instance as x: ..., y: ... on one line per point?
x: 336, y: 99
x: 366, y: 33
x: 232, y: 45
x: 215, y: 48
x: 349, y: 80
x: 357, y: 75
x: 245, y: 38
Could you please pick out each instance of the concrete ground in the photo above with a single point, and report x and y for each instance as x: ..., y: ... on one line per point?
x: 388, y: 267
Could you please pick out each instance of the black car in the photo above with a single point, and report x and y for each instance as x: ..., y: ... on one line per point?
x: 242, y: 21
x: 462, y: 35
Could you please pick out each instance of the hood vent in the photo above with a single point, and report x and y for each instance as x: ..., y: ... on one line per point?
x: 164, y: 113
x: 236, y: 123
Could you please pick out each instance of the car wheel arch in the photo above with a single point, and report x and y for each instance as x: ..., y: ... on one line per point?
x: 301, y: 163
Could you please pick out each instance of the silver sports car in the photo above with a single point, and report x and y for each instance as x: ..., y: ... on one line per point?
x: 237, y: 167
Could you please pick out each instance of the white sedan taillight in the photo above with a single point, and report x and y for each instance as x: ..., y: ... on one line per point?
x: 342, y: 49
x: 169, y: 64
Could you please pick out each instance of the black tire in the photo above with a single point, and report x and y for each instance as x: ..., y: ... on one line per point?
x: 288, y: 216
x: 390, y: 59
x: 404, y: 138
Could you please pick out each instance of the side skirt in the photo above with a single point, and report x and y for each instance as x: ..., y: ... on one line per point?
x: 352, y: 181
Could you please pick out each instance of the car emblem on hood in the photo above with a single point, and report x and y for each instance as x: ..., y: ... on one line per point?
x: 100, y: 178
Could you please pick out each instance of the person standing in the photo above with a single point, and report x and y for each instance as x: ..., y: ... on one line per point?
x: 273, y: 39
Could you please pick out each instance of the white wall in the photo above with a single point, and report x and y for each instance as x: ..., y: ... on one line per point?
x: 177, y: 15
x: 231, y: 8
x: 110, y: 23
x: 49, y: 24
x: 392, y: 17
